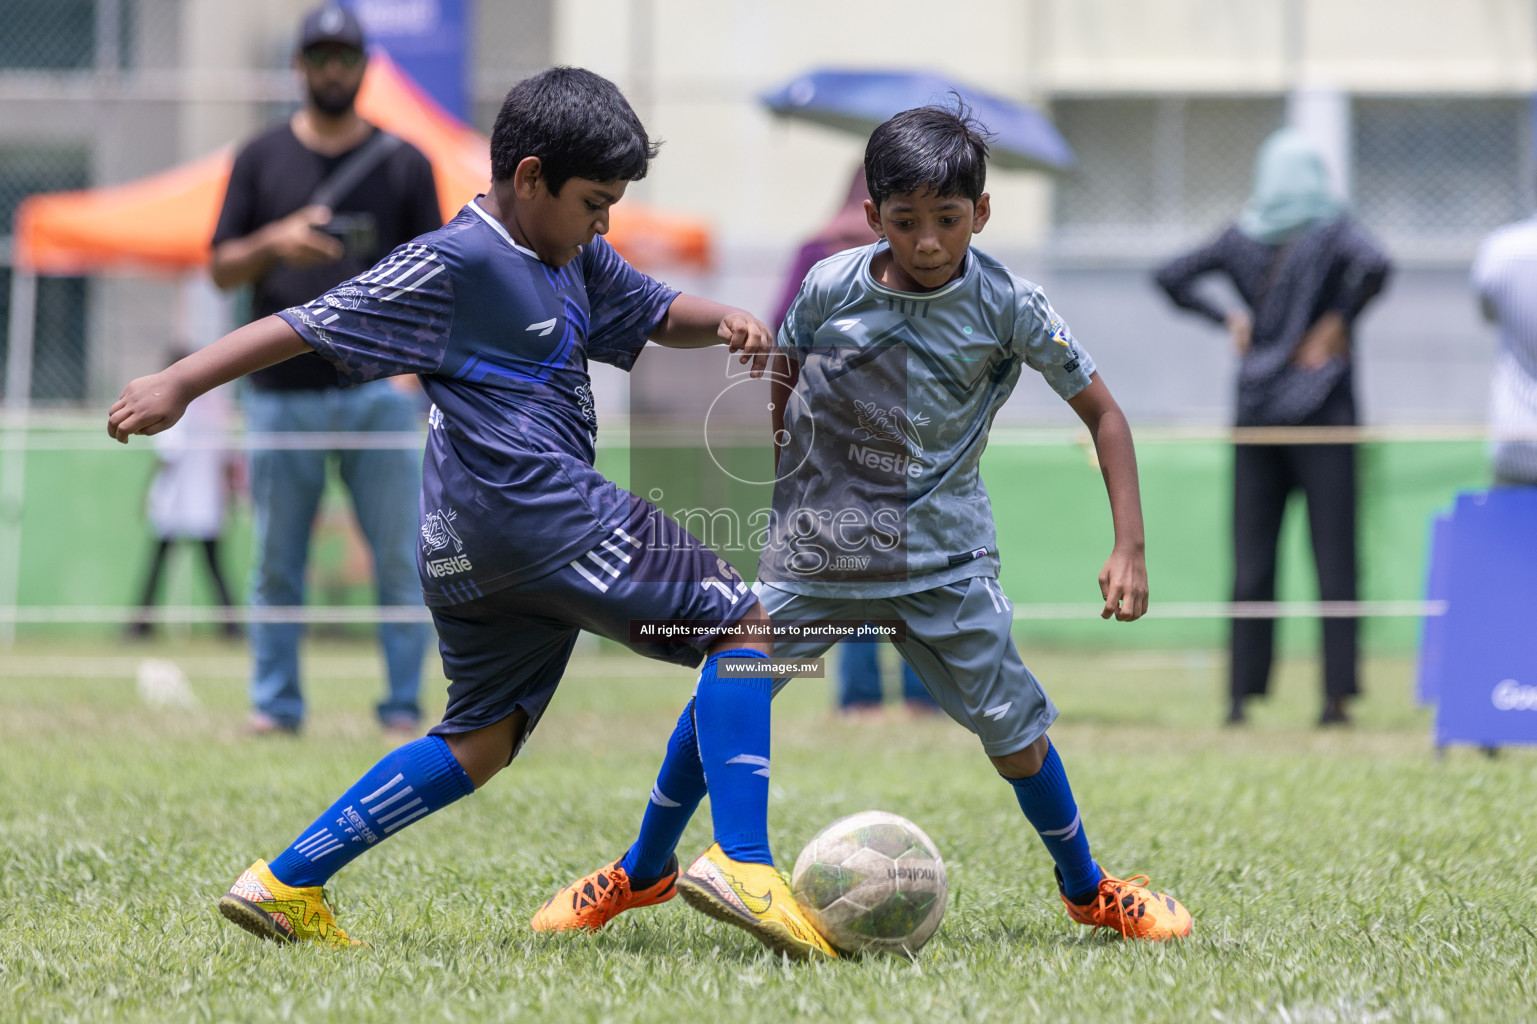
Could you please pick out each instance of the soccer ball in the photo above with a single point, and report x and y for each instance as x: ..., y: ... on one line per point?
x: 872, y: 882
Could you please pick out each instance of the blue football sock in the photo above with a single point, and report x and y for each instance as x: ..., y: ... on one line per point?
x: 732, y: 716
x: 410, y: 783
x: 676, y: 795
x: 1047, y: 800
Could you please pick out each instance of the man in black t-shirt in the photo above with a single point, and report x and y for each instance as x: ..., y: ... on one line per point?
x: 311, y: 203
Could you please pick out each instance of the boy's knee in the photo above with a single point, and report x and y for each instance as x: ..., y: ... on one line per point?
x: 751, y: 631
x: 1024, y: 762
x: 485, y: 751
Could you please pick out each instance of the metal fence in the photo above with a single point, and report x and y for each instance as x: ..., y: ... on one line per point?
x: 1154, y: 173
x: 1429, y: 175
x: 97, y: 92
x: 101, y: 91
x: 59, y: 362
x: 65, y: 34
x: 64, y: 69
x: 1433, y: 174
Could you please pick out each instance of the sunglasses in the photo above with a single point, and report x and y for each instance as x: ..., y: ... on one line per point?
x: 317, y: 57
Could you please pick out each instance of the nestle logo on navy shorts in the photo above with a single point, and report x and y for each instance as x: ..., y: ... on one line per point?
x: 437, y: 567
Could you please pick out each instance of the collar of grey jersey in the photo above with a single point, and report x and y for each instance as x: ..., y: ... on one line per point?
x: 876, y: 248
x: 499, y: 227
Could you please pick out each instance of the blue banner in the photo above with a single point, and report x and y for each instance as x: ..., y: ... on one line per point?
x: 1433, y: 627
x: 428, y: 39
x: 1481, y: 661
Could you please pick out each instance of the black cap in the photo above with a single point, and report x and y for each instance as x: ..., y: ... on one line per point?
x: 331, y: 23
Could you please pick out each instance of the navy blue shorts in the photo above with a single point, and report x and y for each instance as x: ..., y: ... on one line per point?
x: 506, y: 651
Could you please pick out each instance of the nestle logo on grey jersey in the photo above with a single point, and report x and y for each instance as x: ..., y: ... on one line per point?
x: 886, y: 462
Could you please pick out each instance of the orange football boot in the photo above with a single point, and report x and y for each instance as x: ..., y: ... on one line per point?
x: 1129, y: 907
x: 594, y: 901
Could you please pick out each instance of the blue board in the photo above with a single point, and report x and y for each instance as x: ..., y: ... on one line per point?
x: 1487, y: 687
x: 427, y: 38
x: 1433, y: 627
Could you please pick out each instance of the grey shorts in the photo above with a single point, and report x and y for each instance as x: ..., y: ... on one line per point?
x: 959, y: 643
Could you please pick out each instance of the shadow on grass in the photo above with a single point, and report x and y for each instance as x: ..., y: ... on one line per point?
x: 1047, y: 938
x: 644, y: 941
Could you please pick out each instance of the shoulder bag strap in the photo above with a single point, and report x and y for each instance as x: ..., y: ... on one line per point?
x: 351, y: 172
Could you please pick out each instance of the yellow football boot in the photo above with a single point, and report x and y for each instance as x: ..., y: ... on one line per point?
x: 594, y: 901
x: 268, y: 909
x: 755, y: 898
x: 1130, y: 908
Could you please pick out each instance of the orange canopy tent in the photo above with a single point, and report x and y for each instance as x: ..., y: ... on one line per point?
x: 164, y: 222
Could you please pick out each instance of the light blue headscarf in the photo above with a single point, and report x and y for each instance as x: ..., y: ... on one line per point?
x: 1291, y: 190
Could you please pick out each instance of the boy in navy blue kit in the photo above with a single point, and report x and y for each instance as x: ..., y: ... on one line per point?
x: 902, y: 352
x: 523, y: 543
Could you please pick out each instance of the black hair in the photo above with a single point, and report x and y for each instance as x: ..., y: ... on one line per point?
x: 938, y: 150
x: 577, y: 123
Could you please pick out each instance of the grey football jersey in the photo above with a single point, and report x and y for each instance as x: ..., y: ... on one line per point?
x: 878, y: 491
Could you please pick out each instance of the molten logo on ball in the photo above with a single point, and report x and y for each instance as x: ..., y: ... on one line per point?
x: 872, y: 882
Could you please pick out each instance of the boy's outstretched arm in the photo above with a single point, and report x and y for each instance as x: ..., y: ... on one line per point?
x: 1123, y: 580
x: 785, y: 373
x: 151, y: 404
x: 692, y: 322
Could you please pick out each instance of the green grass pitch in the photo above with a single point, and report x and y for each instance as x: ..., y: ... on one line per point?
x: 1340, y: 876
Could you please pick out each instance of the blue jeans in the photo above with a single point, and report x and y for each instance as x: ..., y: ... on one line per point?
x: 859, y: 677
x: 286, y: 486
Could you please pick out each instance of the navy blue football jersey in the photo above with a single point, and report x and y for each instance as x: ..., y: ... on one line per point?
x: 501, y: 341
